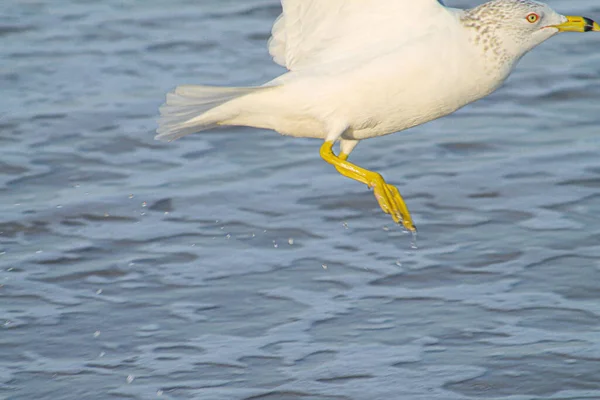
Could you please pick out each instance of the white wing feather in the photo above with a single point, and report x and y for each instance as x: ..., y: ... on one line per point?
x: 312, y: 32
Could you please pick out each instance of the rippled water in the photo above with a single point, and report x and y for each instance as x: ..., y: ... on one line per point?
x: 238, y: 265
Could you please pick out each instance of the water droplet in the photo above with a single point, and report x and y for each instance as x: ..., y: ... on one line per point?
x: 106, y: 215
x: 228, y: 236
x: 144, y: 204
x: 324, y: 266
x: 102, y: 354
x: 96, y: 334
x: 131, y: 264
x: 386, y: 228
x: 99, y: 291
x: 39, y: 251
x: 413, y: 242
x: 131, y: 196
x: 59, y: 206
x: 130, y: 378
x: 291, y: 241
x: 345, y: 225
x: 159, y: 393
x: 398, y: 263
x: 10, y: 269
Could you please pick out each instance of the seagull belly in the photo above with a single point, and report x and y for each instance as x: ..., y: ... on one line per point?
x: 413, y: 87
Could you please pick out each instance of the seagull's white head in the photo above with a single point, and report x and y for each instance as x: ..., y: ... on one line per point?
x: 510, y: 28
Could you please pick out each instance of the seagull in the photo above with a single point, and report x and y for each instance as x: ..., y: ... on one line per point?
x: 358, y: 69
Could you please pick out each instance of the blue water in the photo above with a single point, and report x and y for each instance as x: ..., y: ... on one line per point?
x: 237, y: 264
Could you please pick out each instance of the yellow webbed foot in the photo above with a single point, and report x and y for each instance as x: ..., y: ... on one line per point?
x: 398, y: 209
x: 391, y: 202
x: 387, y: 195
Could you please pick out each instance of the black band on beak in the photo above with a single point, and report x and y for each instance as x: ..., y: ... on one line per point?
x: 589, y: 24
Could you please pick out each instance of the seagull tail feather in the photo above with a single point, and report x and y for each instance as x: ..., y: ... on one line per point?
x: 194, y: 108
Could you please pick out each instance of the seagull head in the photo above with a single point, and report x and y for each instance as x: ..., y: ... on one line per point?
x: 510, y: 28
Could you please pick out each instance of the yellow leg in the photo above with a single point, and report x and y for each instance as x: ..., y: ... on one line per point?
x: 387, y: 196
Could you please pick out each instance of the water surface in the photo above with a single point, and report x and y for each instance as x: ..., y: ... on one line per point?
x: 238, y: 265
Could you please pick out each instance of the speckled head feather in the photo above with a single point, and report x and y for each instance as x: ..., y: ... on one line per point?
x: 501, y: 28
x: 502, y: 10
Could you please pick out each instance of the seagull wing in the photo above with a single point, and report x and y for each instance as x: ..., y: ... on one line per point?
x: 312, y: 32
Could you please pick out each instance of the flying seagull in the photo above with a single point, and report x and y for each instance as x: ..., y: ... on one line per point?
x: 359, y: 69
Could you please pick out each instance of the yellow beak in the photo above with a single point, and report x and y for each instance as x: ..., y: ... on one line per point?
x: 578, y: 24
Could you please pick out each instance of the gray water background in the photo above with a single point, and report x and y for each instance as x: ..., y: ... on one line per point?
x: 236, y: 264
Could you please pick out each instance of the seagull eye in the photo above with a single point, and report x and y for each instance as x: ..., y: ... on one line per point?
x: 533, y: 18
